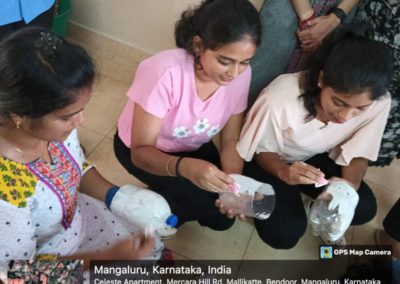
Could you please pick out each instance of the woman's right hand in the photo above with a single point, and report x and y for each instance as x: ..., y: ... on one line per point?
x: 133, y: 248
x: 204, y: 174
x: 301, y: 173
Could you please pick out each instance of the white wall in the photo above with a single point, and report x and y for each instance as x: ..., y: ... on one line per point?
x: 144, y: 24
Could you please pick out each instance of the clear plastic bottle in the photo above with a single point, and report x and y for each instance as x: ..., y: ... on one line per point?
x: 325, y: 222
x: 249, y: 197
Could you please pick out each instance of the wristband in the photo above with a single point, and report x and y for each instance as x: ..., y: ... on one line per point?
x: 177, y: 166
x: 338, y: 13
x: 110, y: 195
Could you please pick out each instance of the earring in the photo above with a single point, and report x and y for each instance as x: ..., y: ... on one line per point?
x: 17, y: 125
x: 319, y: 85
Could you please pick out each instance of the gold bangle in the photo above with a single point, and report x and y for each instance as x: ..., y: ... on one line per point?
x: 47, y: 257
x: 167, y: 167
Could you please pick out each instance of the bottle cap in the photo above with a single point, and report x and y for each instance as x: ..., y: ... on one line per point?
x: 172, y: 220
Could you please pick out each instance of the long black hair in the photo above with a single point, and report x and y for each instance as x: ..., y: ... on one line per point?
x: 41, y: 72
x: 351, y: 64
x: 218, y: 22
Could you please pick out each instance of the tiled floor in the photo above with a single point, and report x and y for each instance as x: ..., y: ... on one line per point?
x: 116, y: 64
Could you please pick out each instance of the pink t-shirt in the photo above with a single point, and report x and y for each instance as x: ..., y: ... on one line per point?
x: 164, y: 86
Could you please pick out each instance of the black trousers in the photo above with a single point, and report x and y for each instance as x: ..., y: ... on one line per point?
x: 391, y: 223
x: 44, y: 20
x: 288, y: 223
x: 186, y: 200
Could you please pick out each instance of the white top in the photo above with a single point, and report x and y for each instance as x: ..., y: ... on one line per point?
x: 276, y: 123
x: 37, y: 228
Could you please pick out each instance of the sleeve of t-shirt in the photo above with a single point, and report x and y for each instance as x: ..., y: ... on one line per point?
x: 366, y: 141
x: 261, y: 132
x: 240, y: 87
x: 152, y: 88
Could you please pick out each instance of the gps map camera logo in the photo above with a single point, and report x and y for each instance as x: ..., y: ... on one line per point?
x: 325, y: 252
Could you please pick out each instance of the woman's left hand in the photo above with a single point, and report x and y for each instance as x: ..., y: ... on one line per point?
x: 229, y: 213
x: 318, y: 28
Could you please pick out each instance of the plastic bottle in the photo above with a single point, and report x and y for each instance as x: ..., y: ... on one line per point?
x: 325, y: 222
x: 143, y: 207
x: 249, y: 197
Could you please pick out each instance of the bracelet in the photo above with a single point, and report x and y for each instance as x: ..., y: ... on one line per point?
x: 177, y: 166
x: 46, y: 257
x: 339, y: 13
x: 166, y: 167
x: 110, y: 195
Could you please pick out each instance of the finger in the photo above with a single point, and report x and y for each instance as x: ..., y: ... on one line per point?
x: 222, y: 211
x: 208, y: 186
x: 242, y: 217
x: 306, y: 41
x: 305, y: 180
x: 308, y: 172
x: 310, y: 176
x: 225, y: 178
x: 311, y: 171
x: 306, y: 47
x: 220, y: 205
x: 216, y: 185
x: 303, y: 36
x: 314, y: 21
x: 314, y: 174
x: 308, y: 44
x: 230, y: 214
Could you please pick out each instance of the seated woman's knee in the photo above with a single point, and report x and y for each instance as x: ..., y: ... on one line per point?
x: 365, y: 212
x: 217, y: 222
x: 283, y: 237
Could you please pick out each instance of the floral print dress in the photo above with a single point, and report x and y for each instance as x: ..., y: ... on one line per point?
x: 384, y: 18
x: 43, y: 213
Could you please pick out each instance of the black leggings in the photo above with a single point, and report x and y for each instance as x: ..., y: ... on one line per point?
x: 391, y: 223
x: 186, y: 200
x: 288, y: 223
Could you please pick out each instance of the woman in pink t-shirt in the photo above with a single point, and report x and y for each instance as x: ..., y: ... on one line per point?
x: 181, y: 98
